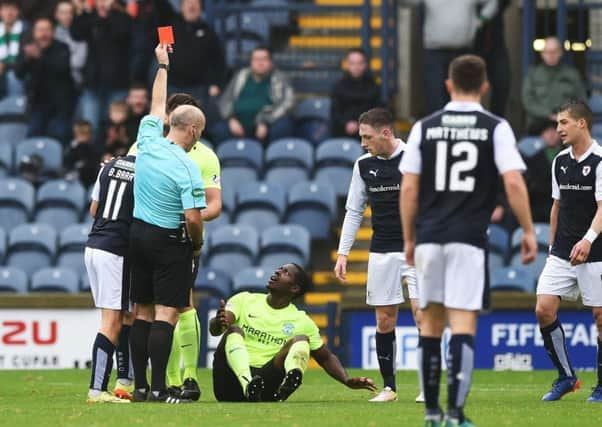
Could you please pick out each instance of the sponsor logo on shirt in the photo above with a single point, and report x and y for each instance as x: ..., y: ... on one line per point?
x: 383, y: 188
x: 197, y: 192
x: 576, y: 187
x: 458, y: 120
x: 262, y: 336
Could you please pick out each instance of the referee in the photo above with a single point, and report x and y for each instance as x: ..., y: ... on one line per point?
x: 168, y: 184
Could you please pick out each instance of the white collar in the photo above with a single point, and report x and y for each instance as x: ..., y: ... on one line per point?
x: 585, y: 155
x: 463, y: 106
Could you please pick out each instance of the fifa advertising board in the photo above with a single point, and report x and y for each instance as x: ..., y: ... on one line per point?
x: 506, y: 340
x: 47, y: 338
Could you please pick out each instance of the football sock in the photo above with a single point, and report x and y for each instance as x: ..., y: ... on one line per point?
x: 429, y: 367
x: 190, y: 342
x: 159, y: 347
x: 122, y: 353
x: 139, y: 344
x: 385, y: 351
x: 102, y: 362
x: 297, y: 357
x: 238, y: 358
x: 555, y: 344
x: 599, y: 361
x: 174, y: 374
x: 460, y: 363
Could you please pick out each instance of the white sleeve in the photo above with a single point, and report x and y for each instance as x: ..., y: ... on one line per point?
x: 351, y: 224
x: 598, y: 192
x: 356, y: 197
x: 411, y: 161
x: 505, y: 150
x: 96, y: 188
x: 555, y: 188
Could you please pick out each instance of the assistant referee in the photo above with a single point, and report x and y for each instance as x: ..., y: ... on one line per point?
x: 168, y: 185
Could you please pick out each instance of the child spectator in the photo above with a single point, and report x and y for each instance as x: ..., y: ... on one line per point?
x: 81, y: 159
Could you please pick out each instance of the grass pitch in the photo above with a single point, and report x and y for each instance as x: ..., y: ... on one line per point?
x: 57, y: 398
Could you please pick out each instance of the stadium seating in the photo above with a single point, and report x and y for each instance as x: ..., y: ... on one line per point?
x: 55, y: 280
x: 254, y: 279
x: 530, y: 145
x: 13, y: 280
x: 220, y: 221
x: 215, y: 282
x: 498, y: 240
x: 279, y: 17
x: 6, y: 160
x: 72, y: 242
x: 313, y: 118
x: 13, y: 108
x: 495, y: 261
x: 284, y: 244
x: 260, y: 205
x: 232, y: 248
x: 334, y: 162
x: 535, y: 268
x: 236, y: 57
x: 48, y: 149
x: 84, y: 284
x: 313, y: 206
x: 16, y: 202
x: 2, y: 245
x: 288, y: 161
x: 251, y: 25
x: 31, y: 247
x: 241, y: 152
x: 512, y: 279
x: 235, y: 176
x: 597, y: 132
x: 60, y: 203
x: 542, y: 234
x: 12, y: 133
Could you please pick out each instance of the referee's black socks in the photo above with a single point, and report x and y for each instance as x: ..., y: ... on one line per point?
x: 159, y: 347
x: 385, y: 351
x: 139, y: 343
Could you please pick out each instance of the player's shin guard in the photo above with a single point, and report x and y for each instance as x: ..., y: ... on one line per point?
x: 238, y: 358
x: 123, y: 355
x: 190, y: 342
x: 385, y: 351
x: 297, y: 357
x: 102, y: 363
x: 159, y: 347
x: 460, y: 363
x: 174, y: 374
x: 139, y: 344
x: 429, y: 366
x: 555, y: 344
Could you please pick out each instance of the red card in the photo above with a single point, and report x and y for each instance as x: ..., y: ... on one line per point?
x: 166, y: 35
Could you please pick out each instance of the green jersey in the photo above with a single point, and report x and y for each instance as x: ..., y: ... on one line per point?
x: 267, y: 329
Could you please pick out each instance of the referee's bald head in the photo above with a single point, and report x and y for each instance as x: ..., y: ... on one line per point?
x: 186, y: 115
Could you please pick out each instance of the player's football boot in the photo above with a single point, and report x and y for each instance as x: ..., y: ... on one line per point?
x: 254, y: 389
x: 420, y: 397
x: 190, y: 389
x: 386, y: 395
x: 140, y: 395
x: 434, y: 420
x: 106, y: 397
x: 450, y: 422
x: 165, y: 396
x: 560, y: 387
x: 292, y: 381
x: 596, y: 395
x: 123, y: 391
x: 175, y: 390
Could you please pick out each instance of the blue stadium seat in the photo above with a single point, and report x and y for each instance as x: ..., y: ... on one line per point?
x: 253, y: 279
x: 60, y: 203
x: 535, y: 268
x: 31, y: 247
x: 16, y: 202
x: 241, y: 152
x: 284, y: 244
x: 512, y: 279
x: 235, y: 176
x: 12, y: 133
x: 220, y: 221
x: 6, y: 159
x: 232, y: 248
x: 542, y: 234
x: 13, y: 107
x: 530, y: 145
x: 498, y: 239
x: 72, y: 242
x: 313, y: 108
x: 50, y: 150
x: 260, y: 205
x: 252, y: 25
x: 55, y: 280
x: 13, y: 280
x: 235, y: 57
x: 215, y: 282
x: 495, y: 261
x: 279, y: 17
x: 288, y: 161
x: 2, y: 245
x: 312, y: 115
x: 334, y: 162
x: 595, y: 103
x: 84, y: 283
x: 313, y: 206
x: 229, y: 194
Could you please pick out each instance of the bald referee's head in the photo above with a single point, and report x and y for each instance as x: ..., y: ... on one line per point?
x: 186, y: 126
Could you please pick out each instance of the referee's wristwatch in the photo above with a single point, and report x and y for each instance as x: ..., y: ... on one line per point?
x: 164, y: 66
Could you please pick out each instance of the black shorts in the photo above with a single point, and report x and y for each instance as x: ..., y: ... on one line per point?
x: 226, y: 386
x: 161, y: 265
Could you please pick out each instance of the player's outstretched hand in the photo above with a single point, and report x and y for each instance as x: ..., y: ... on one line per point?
x: 221, y: 314
x: 361, y: 383
x: 340, y: 268
x: 528, y: 249
x: 580, y: 252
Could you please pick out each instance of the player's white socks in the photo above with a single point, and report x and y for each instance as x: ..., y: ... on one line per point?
x: 297, y: 357
x: 238, y: 358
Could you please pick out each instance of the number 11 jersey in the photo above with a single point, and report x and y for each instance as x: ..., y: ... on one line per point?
x: 459, y: 153
x: 114, y: 192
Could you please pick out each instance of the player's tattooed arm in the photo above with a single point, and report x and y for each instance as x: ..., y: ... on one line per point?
x: 332, y: 365
x: 223, y: 320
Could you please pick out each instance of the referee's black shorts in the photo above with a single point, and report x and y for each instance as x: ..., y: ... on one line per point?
x: 161, y: 265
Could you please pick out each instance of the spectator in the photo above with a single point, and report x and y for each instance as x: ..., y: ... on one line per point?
x: 256, y: 102
x: 547, y: 86
x: 449, y: 31
x: 115, y: 138
x: 539, y: 175
x: 11, y: 30
x: 106, y: 29
x: 355, y: 93
x: 138, y: 104
x: 44, y: 63
x: 63, y: 15
x: 81, y: 159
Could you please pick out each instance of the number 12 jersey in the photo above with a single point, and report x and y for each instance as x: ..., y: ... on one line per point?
x: 459, y: 153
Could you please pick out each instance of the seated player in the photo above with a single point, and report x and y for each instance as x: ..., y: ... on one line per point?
x: 268, y: 341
